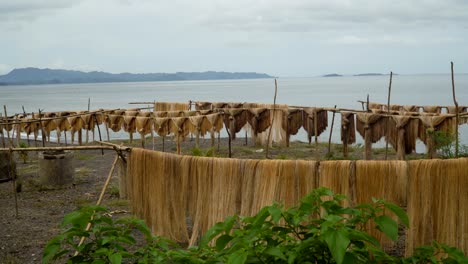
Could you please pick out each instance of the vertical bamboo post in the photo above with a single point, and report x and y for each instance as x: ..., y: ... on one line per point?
x: 367, y: 104
x: 80, y: 137
x: 6, y: 125
x: 42, y: 128
x: 87, y: 125
x: 331, y: 132
x: 345, y: 130
x: 272, y: 120
x: 1, y: 131
x: 388, y: 117
x: 229, y: 143
x: 99, y: 131
x: 456, y: 111
x: 18, y: 130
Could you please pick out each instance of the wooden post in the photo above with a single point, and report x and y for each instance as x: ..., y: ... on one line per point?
x: 367, y: 104
x: 331, y: 132
x: 42, y: 128
x: 456, y: 111
x: 388, y: 117
x: 1, y: 131
x: 99, y: 131
x: 272, y: 120
x: 229, y: 143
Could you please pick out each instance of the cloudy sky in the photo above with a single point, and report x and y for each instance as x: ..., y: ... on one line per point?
x: 279, y: 37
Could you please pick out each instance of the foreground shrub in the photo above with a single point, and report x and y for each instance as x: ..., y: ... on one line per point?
x: 319, y: 230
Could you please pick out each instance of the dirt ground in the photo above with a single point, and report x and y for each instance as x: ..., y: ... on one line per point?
x: 41, y: 210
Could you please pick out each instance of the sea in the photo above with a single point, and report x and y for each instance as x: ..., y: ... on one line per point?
x: 342, y: 92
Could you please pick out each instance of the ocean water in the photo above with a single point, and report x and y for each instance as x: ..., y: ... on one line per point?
x: 344, y: 92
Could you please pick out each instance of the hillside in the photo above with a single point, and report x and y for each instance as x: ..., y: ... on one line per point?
x: 51, y: 76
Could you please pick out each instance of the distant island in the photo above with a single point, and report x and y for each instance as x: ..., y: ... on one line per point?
x: 51, y: 76
x: 332, y: 75
x: 369, y: 74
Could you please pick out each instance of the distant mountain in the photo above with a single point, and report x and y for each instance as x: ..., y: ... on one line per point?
x: 51, y: 76
x: 369, y: 74
x: 332, y: 75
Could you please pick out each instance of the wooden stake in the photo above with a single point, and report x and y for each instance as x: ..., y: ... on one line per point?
x: 99, y: 131
x: 367, y: 104
x: 388, y: 111
x: 42, y: 128
x: 62, y: 148
x: 456, y: 111
x: 101, y: 196
x: 272, y: 120
x: 331, y: 132
x: 229, y: 142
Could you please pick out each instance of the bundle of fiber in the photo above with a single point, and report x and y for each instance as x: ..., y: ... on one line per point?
x: 265, y: 184
x: 310, y: 114
x: 199, y: 197
x: 348, y: 128
x: 375, y: 106
x: 278, y: 135
x: 49, y: 125
x: 235, y: 105
x: 129, y: 121
x: 461, y: 109
x: 248, y: 187
x: 431, y: 109
x: 76, y: 124
x: 205, y: 112
x: 162, y: 126
x: 157, y: 192
x: 292, y: 122
x: 429, y: 123
x: 287, y: 186
x: 402, y: 134
x: 338, y: 177
x: 235, y: 119
x: 87, y: 119
x: 29, y: 127
x: 226, y: 188
x: 115, y: 122
x: 375, y: 123
x: 307, y: 176
x: 180, y: 126
x: 219, y: 105
x: 216, y: 121
x: 160, y: 113
x: 384, y: 180
x: 393, y: 107
x: 143, y: 125
x: 195, y: 126
x: 175, y: 113
x: 202, y: 105
x: 259, y: 120
x: 171, y: 106
x: 437, y: 203
x: 410, y: 108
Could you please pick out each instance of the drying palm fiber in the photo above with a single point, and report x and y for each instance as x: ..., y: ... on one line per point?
x: 175, y: 114
x: 314, y: 116
x: 431, y: 109
x: 129, y: 124
x: 292, y: 122
x: 430, y: 124
x: 402, y: 134
x: 170, y: 106
x: 339, y: 177
x: 205, y: 112
x: 160, y: 113
x: 410, y: 108
x: 378, y: 106
x: 384, y: 180
x: 371, y: 127
x: 348, y: 131
x: 235, y: 119
x: 203, y: 106
x: 195, y: 127
x: 115, y: 121
x: 162, y: 126
x: 61, y: 124
x: 393, y: 107
x: 259, y: 121
x: 461, y: 109
x: 48, y: 125
x: 437, y: 203
x: 216, y: 122
x: 29, y: 127
x: 144, y: 123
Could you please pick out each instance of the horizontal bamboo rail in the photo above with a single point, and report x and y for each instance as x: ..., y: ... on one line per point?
x: 68, y: 148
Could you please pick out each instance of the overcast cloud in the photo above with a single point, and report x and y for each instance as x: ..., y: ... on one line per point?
x: 279, y: 37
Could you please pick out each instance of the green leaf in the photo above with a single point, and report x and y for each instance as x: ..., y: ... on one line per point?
x: 399, y: 212
x: 238, y: 257
x: 388, y: 226
x: 337, y: 241
x: 115, y: 258
x: 275, y: 252
x: 49, y: 252
x: 222, y: 241
x: 275, y: 213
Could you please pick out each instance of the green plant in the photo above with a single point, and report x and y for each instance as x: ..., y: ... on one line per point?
x: 200, y: 153
x: 319, y: 230
x: 445, y: 145
x: 22, y: 153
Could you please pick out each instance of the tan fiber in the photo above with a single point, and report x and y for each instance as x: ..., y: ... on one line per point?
x: 292, y: 122
x: 308, y: 121
x: 171, y: 106
x: 437, y: 203
x: 432, y: 109
x: 336, y: 175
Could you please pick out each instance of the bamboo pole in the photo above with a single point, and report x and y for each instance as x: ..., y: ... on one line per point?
x: 229, y: 141
x: 272, y: 120
x: 99, y: 131
x: 456, y: 111
x: 331, y: 132
x: 101, y: 196
x: 388, y: 111
x: 62, y: 148
x: 1, y: 131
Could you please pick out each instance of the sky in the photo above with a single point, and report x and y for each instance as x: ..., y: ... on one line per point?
x: 297, y: 38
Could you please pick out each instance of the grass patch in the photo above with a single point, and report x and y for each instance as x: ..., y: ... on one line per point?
x: 82, y: 156
x: 113, y: 191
